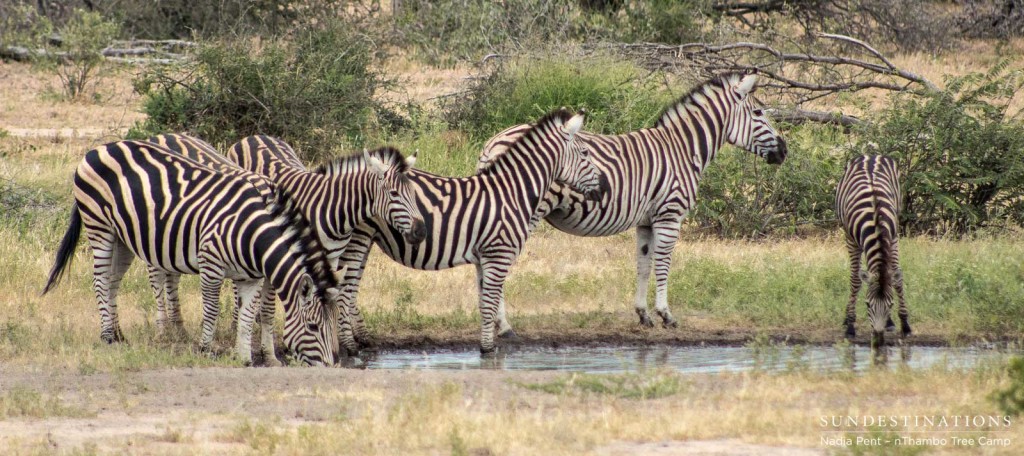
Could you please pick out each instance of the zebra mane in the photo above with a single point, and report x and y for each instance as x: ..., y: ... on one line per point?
x: 721, y: 81
x: 388, y: 155
x: 304, y: 241
x: 537, y: 128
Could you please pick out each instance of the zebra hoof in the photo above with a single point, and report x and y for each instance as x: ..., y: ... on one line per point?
x: 269, y: 360
x: 645, y: 320
x: 906, y: 330
x: 671, y: 324
x: 850, y: 333
x: 509, y: 335
x: 488, y: 352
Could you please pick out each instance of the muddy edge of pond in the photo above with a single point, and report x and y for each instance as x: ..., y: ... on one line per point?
x: 660, y: 337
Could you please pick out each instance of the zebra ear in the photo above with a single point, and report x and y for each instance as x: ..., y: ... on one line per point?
x: 746, y: 85
x: 340, y: 274
x: 375, y: 164
x: 574, y: 124
x: 308, y: 289
x: 410, y: 161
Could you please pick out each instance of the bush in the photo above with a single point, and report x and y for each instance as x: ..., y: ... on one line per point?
x: 959, y: 153
x: 615, y: 93
x: 315, y: 91
x: 1011, y: 399
x: 742, y: 196
x: 446, y: 31
x: 83, y: 39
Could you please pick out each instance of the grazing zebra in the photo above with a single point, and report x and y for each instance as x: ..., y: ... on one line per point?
x: 165, y: 288
x: 482, y: 220
x: 136, y: 198
x: 653, y: 174
x: 868, y: 205
x: 371, y: 185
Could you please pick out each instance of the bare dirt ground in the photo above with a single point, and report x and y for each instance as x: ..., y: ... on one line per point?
x: 212, y: 410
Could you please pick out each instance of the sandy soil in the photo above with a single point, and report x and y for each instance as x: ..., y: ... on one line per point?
x: 167, y: 411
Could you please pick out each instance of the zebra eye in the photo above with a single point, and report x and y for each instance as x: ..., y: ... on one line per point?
x: 759, y: 112
x: 393, y: 193
x: 313, y: 327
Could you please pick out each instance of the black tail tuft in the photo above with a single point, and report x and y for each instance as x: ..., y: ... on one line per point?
x: 67, y: 249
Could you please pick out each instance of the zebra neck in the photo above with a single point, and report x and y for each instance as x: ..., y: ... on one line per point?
x: 281, y: 264
x: 530, y: 174
x: 335, y: 203
x: 698, y: 129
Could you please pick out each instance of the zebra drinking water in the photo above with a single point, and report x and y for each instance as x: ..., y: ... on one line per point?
x: 372, y: 185
x: 653, y: 175
x: 137, y: 199
x: 868, y: 205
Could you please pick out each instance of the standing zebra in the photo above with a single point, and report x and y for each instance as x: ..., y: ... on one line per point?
x: 653, y: 174
x: 482, y: 220
x: 371, y: 185
x: 868, y: 205
x: 137, y: 198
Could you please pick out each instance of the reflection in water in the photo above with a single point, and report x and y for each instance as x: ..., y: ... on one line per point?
x: 697, y: 359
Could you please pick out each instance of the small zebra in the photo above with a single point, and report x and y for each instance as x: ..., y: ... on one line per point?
x: 368, y: 185
x: 137, y: 199
x: 483, y: 220
x: 654, y: 173
x: 868, y: 204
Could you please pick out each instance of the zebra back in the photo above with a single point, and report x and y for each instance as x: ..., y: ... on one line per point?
x: 868, y: 205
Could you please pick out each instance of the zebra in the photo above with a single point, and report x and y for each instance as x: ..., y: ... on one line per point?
x: 165, y: 288
x: 654, y: 173
x: 372, y: 185
x: 482, y: 220
x: 137, y: 199
x: 868, y: 205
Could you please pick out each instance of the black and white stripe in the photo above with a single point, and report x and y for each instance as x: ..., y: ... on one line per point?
x: 166, y: 288
x: 654, y: 173
x: 868, y: 205
x: 374, y: 184
x: 137, y: 199
x: 482, y: 220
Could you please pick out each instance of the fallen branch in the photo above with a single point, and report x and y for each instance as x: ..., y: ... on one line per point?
x: 799, y: 116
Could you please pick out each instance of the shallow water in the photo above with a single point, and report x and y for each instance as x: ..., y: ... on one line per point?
x: 694, y: 359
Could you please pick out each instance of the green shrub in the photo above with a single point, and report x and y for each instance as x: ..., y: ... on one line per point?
x: 615, y: 93
x: 742, y: 196
x: 1011, y: 399
x: 314, y: 90
x: 959, y: 152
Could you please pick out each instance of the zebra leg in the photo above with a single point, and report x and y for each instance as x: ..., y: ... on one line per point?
x: 248, y: 292
x: 354, y: 258
x: 665, y: 236
x: 173, y: 306
x: 904, y: 313
x: 156, y: 282
x: 210, y: 280
x: 504, y: 328
x: 237, y: 304
x: 268, y: 306
x: 855, y: 283
x: 111, y: 259
x: 492, y: 274
x: 643, y: 273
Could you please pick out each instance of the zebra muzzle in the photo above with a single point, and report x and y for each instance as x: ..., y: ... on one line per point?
x: 777, y: 156
x: 417, y: 234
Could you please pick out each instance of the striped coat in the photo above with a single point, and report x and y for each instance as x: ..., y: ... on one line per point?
x: 138, y: 200
x: 654, y: 174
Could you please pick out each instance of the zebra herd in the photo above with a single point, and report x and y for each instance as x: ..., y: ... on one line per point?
x: 259, y: 217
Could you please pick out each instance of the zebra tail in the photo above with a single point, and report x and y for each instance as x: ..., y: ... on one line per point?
x: 67, y: 249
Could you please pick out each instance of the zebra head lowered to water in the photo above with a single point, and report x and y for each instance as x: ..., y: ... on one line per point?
x: 653, y: 175
x: 868, y: 205
x: 138, y: 199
